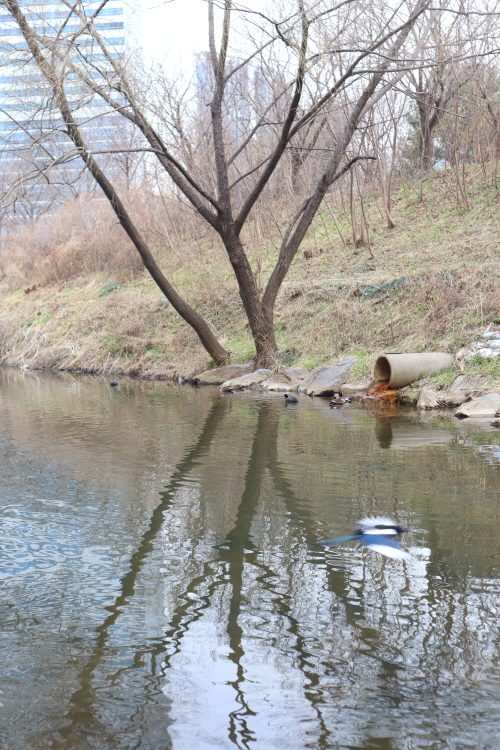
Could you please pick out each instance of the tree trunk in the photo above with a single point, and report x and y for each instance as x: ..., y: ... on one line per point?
x: 194, y: 319
x: 297, y: 159
x: 260, y: 317
x: 431, y: 108
x: 219, y: 355
x: 425, y: 140
x: 265, y: 341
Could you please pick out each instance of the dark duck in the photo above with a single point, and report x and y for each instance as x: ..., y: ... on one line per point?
x: 291, y: 399
x: 378, y: 534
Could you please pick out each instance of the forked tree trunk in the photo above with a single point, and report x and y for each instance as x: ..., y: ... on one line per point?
x: 431, y: 108
x: 260, y: 318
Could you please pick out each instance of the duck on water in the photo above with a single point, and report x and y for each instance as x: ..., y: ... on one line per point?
x: 339, y: 400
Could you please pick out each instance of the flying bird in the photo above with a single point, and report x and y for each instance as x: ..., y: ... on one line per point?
x: 378, y: 534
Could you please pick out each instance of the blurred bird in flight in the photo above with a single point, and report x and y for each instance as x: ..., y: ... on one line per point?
x: 378, y: 534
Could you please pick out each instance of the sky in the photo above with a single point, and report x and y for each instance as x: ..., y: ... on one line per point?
x: 176, y: 29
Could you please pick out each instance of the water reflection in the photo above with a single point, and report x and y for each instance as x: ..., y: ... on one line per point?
x: 399, y: 431
x: 160, y: 587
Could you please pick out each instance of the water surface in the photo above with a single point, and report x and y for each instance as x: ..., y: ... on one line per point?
x: 160, y: 587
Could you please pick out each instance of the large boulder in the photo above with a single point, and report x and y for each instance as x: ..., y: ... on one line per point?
x: 326, y: 380
x: 288, y: 380
x: 219, y: 375
x: 246, y: 381
x: 297, y: 373
x: 281, y: 383
x: 481, y: 407
x: 457, y: 393
x: 427, y: 398
x: 409, y: 395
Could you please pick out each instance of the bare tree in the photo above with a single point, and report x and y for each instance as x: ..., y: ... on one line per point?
x: 485, y: 122
x: 383, y: 135
x: 432, y: 95
x: 224, y: 165
x: 444, y: 68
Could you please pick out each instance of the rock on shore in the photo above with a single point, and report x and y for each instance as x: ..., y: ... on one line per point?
x: 326, y: 380
x: 288, y: 380
x: 428, y: 398
x: 483, y: 407
x: 458, y: 392
x: 246, y: 381
x: 219, y: 375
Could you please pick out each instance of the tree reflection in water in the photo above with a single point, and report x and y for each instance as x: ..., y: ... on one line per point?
x: 229, y: 628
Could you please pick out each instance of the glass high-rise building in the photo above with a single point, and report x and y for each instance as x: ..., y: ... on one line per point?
x: 90, y: 38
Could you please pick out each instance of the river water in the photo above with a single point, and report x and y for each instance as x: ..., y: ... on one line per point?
x: 160, y: 587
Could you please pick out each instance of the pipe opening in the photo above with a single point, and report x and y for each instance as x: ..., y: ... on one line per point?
x: 382, y: 369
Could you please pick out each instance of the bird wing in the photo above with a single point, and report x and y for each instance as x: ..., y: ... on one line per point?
x: 385, y: 545
x: 339, y: 540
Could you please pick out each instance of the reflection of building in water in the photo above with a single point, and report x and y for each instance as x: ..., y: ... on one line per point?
x: 32, y: 133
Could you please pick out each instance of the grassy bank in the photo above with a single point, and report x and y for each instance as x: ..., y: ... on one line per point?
x: 433, y: 284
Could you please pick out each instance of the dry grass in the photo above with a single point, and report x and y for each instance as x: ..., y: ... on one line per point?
x: 425, y: 312
x: 447, y: 256
x: 84, y: 239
